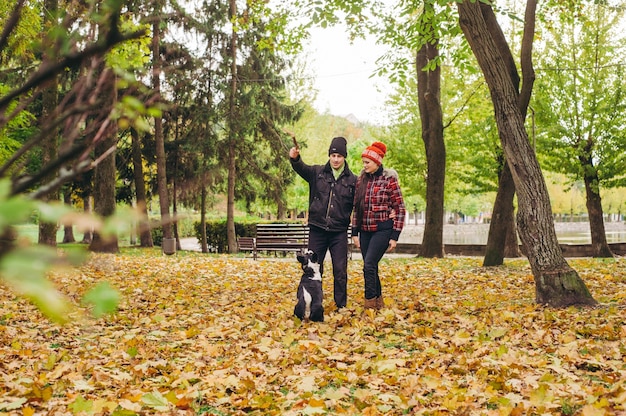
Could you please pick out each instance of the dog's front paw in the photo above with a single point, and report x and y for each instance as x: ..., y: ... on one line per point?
x: 318, y: 315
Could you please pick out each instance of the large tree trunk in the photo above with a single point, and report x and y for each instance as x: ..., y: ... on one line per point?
x: 429, y: 98
x: 502, y: 239
x: 599, y: 243
x: 7, y: 240
x: 501, y: 230
x: 232, y: 159
x: 556, y: 283
x: 87, y: 209
x: 230, y: 204
x: 145, y: 236
x: 164, y: 202
x: 104, y: 195
x: 281, y: 210
x: 68, y: 230
x: 47, y: 230
x: 104, y: 178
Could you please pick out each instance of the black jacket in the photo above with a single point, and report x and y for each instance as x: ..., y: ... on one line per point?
x: 330, y: 200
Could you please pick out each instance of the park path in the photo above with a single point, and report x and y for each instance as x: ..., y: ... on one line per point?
x: 467, y: 234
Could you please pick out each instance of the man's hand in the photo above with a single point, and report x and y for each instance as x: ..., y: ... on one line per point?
x: 355, y: 241
x: 294, y: 152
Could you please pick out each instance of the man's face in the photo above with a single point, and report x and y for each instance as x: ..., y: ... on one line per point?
x: 336, y: 160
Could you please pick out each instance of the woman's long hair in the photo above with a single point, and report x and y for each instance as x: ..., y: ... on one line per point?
x: 359, y: 197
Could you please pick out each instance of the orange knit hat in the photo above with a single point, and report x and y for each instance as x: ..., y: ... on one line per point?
x: 376, y: 151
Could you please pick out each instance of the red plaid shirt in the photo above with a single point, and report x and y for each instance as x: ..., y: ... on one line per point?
x: 382, y: 195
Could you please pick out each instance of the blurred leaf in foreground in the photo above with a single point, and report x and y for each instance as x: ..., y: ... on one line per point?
x: 103, y: 298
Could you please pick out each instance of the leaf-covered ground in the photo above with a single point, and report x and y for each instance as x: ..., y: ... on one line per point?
x: 215, y: 335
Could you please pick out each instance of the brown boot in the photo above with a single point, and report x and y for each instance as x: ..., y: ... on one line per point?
x: 380, y: 303
x: 370, y: 303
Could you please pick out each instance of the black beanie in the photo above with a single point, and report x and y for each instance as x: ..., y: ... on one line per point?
x: 338, y: 145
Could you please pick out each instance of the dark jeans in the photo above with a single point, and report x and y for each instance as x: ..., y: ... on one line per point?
x: 373, y: 248
x: 320, y: 242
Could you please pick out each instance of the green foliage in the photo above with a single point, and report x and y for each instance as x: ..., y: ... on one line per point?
x: 415, y: 203
x: 157, y: 233
x: 103, y: 298
x: 186, y: 226
x: 12, y: 210
x: 131, y: 55
x: 24, y: 267
x: 20, y: 44
x: 216, y: 236
x: 580, y: 98
x: 15, y: 131
x: 24, y: 270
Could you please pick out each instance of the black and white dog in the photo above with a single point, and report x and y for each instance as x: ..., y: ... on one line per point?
x: 309, y: 306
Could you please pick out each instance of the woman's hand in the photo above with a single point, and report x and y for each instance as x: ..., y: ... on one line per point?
x: 392, y: 245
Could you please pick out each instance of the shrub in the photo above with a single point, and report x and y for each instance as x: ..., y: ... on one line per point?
x: 216, y: 237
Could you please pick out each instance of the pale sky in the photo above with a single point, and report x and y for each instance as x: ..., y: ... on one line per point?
x: 342, y: 71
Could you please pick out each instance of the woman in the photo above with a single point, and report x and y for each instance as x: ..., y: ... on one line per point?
x: 378, y: 218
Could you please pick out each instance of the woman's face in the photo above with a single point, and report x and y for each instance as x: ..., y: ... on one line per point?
x: 369, y: 165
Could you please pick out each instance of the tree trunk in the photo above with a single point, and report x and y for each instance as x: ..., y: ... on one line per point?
x: 104, y: 195
x: 104, y: 178
x: 7, y: 240
x: 203, y: 243
x: 230, y: 205
x: 428, y: 91
x: 281, y: 210
x: 87, y: 209
x: 48, y: 231
x: 599, y: 243
x: 501, y: 220
x: 145, y: 236
x: 49, y: 100
x: 556, y: 283
x: 68, y: 230
x: 232, y: 159
x: 175, y: 215
x: 502, y: 239
x: 164, y: 203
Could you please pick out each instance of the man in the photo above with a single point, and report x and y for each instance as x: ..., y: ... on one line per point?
x: 331, y: 196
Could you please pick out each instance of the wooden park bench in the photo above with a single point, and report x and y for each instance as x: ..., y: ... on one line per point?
x: 284, y: 237
x: 247, y: 244
x: 276, y: 238
x: 281, y: 237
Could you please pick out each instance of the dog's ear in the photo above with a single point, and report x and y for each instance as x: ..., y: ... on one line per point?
x: 300, y: 257
x: 313, y: 257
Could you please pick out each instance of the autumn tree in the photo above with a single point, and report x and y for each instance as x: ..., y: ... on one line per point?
x: 104, y: 151
x: 431, y: 115
x: 581, y: 103
x: 164, y: 199
x: 199, y: 81
x: 502, y: 237
x: 49, y: 100
x: 556, y: 283
x: 80, y: 116
x: 414, y: 28
x: 145, y: 236
x: 255, y: 104
x: 73, y: 152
